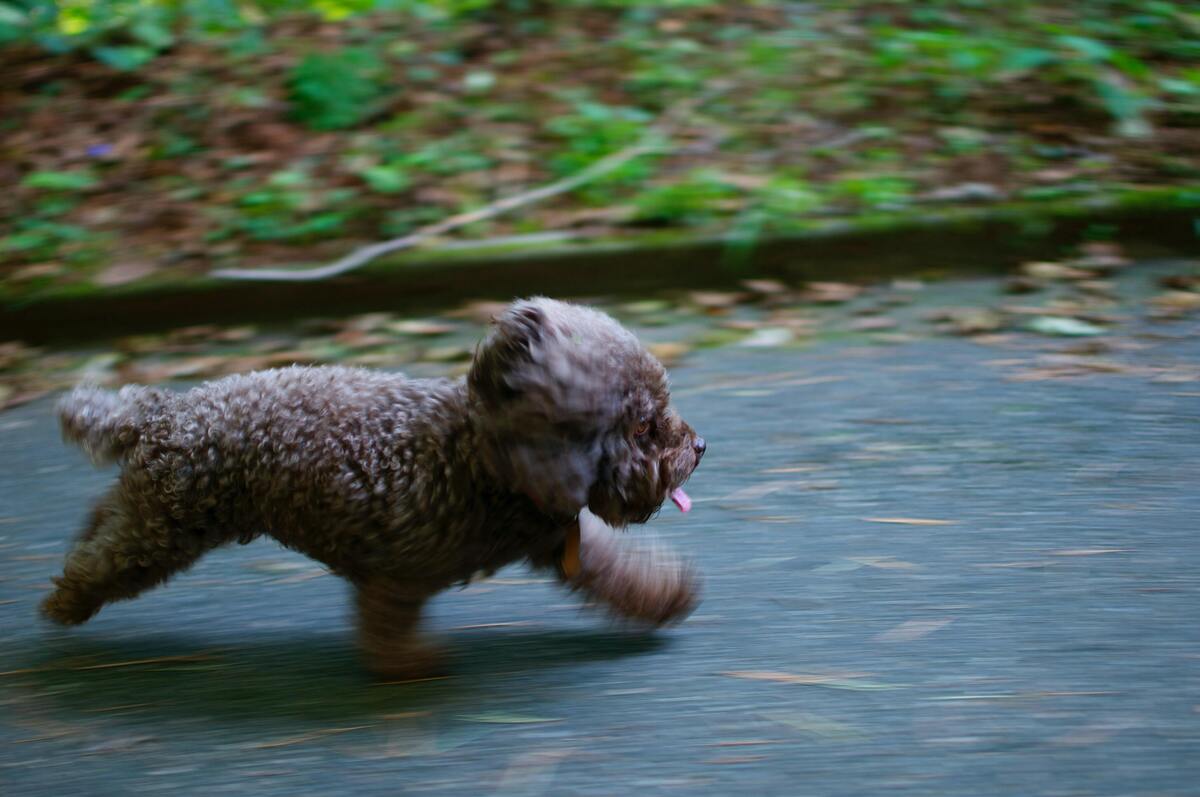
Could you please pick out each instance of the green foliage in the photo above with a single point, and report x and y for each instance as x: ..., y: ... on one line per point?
x: 956, y: 66
x: 390, y: 178
x: 785, y: 200
x: 592, y: 131
x: 834, y: 108
x: 289, y: 206
x: 874, y: 191
x: 61, y: 181
x: 691, y: 200
x: 448, y: 156
x: 125, y: 34
x: 42, y: 233
x: 782, y: 204
x: 331, y: 91
x: 35, y: 238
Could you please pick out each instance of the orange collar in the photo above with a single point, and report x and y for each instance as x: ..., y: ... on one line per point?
x: 571, y: 566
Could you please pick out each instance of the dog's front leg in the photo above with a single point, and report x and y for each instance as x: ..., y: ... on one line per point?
x: 388, y: 616
x: 650, y: 585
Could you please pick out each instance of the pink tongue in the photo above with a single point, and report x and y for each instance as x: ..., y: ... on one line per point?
x: 681, y: 499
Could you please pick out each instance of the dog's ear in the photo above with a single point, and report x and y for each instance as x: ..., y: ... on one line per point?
x: 510, y: 344
x: 542, y: 402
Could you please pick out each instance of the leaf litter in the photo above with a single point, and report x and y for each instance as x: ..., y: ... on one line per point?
x: 850, y: 681
x: 766, y: 314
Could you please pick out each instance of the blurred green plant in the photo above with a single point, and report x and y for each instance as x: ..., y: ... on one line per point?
x: 591, y: 131
x: 692, y: 200
x: 288, y: 206
x: 42, y: 233
x: 331, y: 91
x: 955, y: 67
x: 440, y: 105
x: 884, y: 191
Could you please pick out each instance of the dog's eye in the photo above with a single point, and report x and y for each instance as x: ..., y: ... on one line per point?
x: 641, y: 429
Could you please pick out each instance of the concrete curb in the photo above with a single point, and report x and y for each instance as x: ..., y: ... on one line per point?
x: 928, y: 242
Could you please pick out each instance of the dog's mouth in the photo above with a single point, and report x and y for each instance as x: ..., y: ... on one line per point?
x: 674, y: 490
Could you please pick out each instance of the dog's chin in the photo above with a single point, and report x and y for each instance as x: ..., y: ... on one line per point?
x: 622, y: 513
x: 625, y: 519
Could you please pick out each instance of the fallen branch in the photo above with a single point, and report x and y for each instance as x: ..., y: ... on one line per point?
x: 654, y: 140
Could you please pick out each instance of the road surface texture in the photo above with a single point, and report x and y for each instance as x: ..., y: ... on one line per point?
x: 932, y: 568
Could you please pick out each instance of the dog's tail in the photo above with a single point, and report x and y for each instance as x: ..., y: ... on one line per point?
x: 105, y: 423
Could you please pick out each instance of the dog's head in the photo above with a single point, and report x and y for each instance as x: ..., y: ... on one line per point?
x: 574, y: 412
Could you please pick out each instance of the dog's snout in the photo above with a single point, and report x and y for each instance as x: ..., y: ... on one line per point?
x: 699, y: 445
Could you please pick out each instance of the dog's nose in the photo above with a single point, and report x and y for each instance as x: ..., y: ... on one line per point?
x: 699, y: 445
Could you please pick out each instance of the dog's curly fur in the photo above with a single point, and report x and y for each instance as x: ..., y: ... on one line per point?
x: 402, y: 486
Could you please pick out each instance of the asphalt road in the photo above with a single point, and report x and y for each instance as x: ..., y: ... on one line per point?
x: 1027, y: 623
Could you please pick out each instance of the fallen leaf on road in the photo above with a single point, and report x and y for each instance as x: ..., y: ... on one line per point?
x: 1088, y: 348
x: 790, y: 678
x: 447, y: 354
x: 714, y: 301
x: 840, y: 681
x: 912, y: 629
x: 768, y: 337
x: 883, y: 562
x: 1063, y: 327
x: 1018, y: 285
x: 1101, y: 256
x: 185, y: 658
x: 1054, y: 271
x: 306, y: 737
x: 872, y: 324
x: 815, y: 725
x: 530, y: 773
x: 421, y: 327
x: 765, y: 287
x: 480, y: 312
x: 275, y: 566
x: 737, y: 759
x: 911, y: 521
x: 830, y: 292
x: 1174, y: 304
x: 1181, y: 282
x: 668, y: 353
x: 1018, y: 695
x: 1088, y: 551
x: 968, y: 321
x: 14, y: 353
x: 496, y: 718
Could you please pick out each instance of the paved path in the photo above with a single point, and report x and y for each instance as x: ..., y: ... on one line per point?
x: 1043, y: 638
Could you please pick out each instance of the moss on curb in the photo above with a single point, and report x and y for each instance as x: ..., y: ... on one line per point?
x: 922, y: 241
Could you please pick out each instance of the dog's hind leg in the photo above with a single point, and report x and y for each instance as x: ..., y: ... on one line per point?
x: 122, y: 551
x: 388, y: 616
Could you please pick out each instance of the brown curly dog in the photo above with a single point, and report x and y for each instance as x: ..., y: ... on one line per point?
x: 561, y: 431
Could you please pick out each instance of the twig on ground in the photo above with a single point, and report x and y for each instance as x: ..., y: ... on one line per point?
x: 654, y: 140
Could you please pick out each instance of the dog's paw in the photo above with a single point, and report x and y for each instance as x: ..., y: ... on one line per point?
x: 68, y: 607
x: 413, y: 660
x: 667, y: 598
x: 652, y: 593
